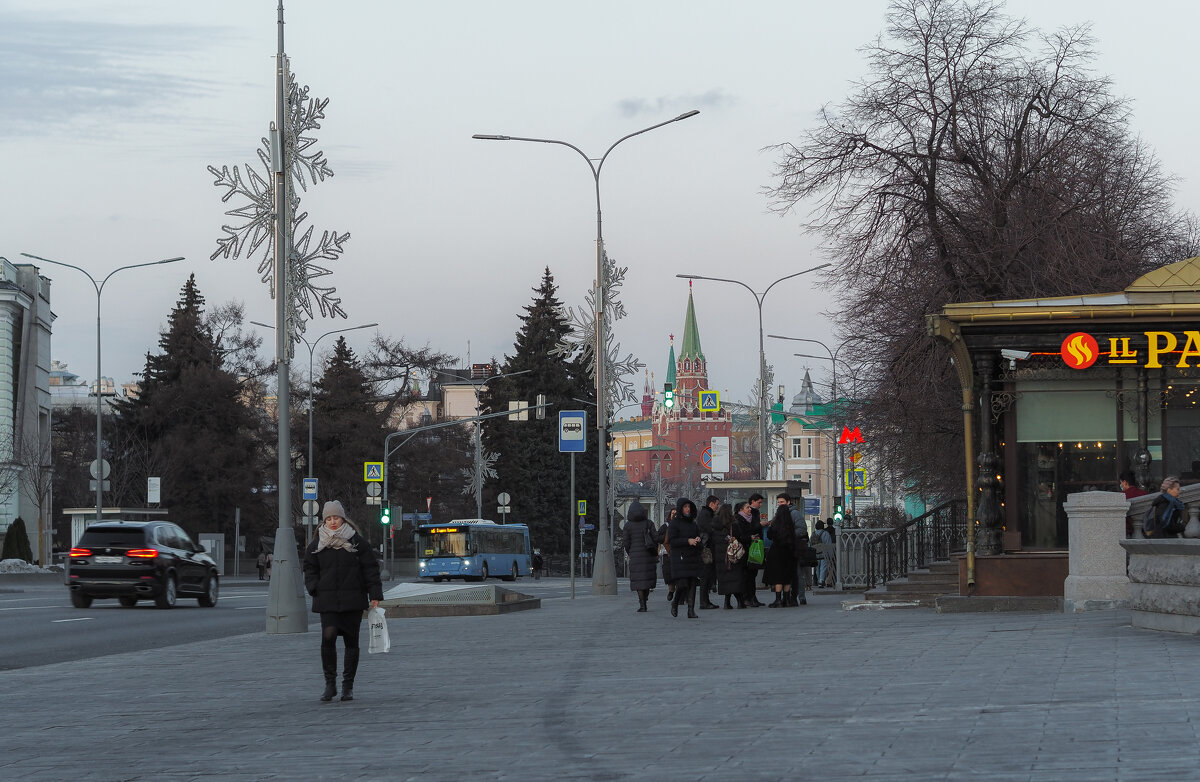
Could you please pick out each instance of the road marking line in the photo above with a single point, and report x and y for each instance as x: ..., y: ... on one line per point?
x: 80, y: 619
x: 25, y: 608
x: 249, y: 608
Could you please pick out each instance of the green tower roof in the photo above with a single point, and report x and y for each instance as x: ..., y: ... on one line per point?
x: 671, y: 363
x: 691, y: 334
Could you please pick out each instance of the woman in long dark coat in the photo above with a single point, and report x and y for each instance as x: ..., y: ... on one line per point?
x: 643, y: 560
x: 780, y: 566
x: 666, y: 557
x: 731, y: 574
x: 684, y: 536
x: 342, y: 574
x: 744, y: 530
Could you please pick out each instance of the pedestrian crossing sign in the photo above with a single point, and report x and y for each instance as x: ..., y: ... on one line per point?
x: 372, y: 471
x: 856, y: 478
x: 710, y: 401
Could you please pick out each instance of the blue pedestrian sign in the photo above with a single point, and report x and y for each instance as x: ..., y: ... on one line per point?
x: 372, y: 471
x: 309, y: 489
x: 572, y: 431
x: 710, y: 401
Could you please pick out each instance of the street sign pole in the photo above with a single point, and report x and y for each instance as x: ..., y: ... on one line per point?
x: 572, y: 537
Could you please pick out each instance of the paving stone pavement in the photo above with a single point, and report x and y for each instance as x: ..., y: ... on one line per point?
x: 590, y: 690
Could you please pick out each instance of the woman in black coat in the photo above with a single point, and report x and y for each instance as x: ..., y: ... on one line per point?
x: 731, y: 573
x: 684, y: 536
x: 744, y: 529
x: 780, y: 566
x: 643, y: 559
x: 341, y: 573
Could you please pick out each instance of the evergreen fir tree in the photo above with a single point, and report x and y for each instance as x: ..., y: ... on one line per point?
x: 530, y: 467
x: 348, y: 429
x: 16, y: 542
x: 189, y: 425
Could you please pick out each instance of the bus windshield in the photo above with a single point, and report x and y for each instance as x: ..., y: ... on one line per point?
x: 444, y: 544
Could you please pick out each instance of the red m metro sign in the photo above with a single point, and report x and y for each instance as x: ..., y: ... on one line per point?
x: 850, y: 435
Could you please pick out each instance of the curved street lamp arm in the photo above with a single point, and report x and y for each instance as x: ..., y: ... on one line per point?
x: 721, y: 279
x: 790, y: 276
x: 604, y: 157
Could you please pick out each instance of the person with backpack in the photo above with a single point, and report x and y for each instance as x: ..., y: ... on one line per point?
x: 1167, y: 517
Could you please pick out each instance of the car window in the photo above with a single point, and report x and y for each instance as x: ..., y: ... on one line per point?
x: 166, y: 537
x: 185, y: 542
x: 115, y: 537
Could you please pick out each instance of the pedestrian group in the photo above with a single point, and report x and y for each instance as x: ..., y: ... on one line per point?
x: 722, y: 546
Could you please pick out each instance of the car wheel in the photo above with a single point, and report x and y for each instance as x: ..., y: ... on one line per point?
x: 211, y: 588
x: 437, y: 579
x: 81, y: 600
x: 512, y: 576
x: 166, y: 597
x: 127, y: 602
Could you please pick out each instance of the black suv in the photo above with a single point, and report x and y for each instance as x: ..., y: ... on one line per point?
x: 138, y: 560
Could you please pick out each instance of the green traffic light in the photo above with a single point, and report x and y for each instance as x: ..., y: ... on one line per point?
x: 386, y: 517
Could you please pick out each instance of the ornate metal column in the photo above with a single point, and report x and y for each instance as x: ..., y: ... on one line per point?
x: 989, y: 517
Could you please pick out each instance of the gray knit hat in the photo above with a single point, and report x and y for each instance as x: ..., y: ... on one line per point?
x: 333, y: 508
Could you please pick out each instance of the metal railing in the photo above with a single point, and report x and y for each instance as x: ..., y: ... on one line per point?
x: 928, y: 538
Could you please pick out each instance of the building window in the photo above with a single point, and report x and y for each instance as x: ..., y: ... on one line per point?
x: 810, y: 443
x: 795, y: 447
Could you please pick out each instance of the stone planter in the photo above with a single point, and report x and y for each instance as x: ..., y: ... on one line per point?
x: 1164, y: 593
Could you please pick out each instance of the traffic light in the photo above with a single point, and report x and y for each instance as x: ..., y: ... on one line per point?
x: 839, y: 509
x: 668, y: 396
x: 385, y: 516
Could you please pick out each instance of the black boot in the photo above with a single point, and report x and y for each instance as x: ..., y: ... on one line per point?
x: 671, y: 596
x: 675, y: 603
x: 778, y: 600
x: 643, y: 595
x: 691, y: 603
x: 727, y: 605
x: 329, y: 667
x: 348, y: 672
x: 741, y: 601
x: 705, y: 603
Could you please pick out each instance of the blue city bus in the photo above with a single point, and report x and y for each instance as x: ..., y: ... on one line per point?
x: 473, y: 550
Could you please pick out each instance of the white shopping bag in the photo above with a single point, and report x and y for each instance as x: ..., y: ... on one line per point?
x: 377, y: 626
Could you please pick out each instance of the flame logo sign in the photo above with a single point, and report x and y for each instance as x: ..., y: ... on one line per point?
x: 1080, y: 350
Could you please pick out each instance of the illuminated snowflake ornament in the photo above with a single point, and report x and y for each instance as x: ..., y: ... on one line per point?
x: 252, y: 185
x: 582, y: 338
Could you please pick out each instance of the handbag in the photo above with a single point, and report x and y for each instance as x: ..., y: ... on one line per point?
x: 757, y: 553
x: 380, y: 643
x: 648, y: 539
x: 706, y: 556
x: 734, y: 552
x: 809, y: 557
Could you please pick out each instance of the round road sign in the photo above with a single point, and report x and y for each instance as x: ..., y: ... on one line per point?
x: 310, y: 507
x: 502, y: 498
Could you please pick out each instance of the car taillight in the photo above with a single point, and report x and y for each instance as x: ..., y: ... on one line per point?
x: 142, y: 552
x: 80, y: 552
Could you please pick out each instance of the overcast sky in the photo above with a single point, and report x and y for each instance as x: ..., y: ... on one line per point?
x: 112, y: 111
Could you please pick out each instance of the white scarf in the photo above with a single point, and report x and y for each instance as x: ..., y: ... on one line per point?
x: 339, y: 538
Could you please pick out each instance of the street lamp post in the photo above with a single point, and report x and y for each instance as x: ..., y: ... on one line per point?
x: 838, y: 460
x: 604, y: 576
x: 312, y: 346
x: 762, y: 356
x: 99, y: 286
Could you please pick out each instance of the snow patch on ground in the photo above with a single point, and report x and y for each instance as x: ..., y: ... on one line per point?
x: 21, y: 566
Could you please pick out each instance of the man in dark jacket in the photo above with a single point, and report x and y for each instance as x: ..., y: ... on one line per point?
x: 708, y: 576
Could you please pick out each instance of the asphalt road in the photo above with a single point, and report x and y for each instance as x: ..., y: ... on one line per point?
x: 39, y: 626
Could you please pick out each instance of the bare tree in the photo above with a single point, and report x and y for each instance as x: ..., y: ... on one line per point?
x: 978, y: 160
x: 33, y: 458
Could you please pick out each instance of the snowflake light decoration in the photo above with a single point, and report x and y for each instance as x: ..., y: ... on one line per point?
x: 582, y: 337
x: 255, y: 232
x: 487, y: 469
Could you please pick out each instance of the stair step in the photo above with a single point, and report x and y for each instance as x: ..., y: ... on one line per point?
x: 926, y: 599
x: 924, y: 587
x: 927, y: 577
